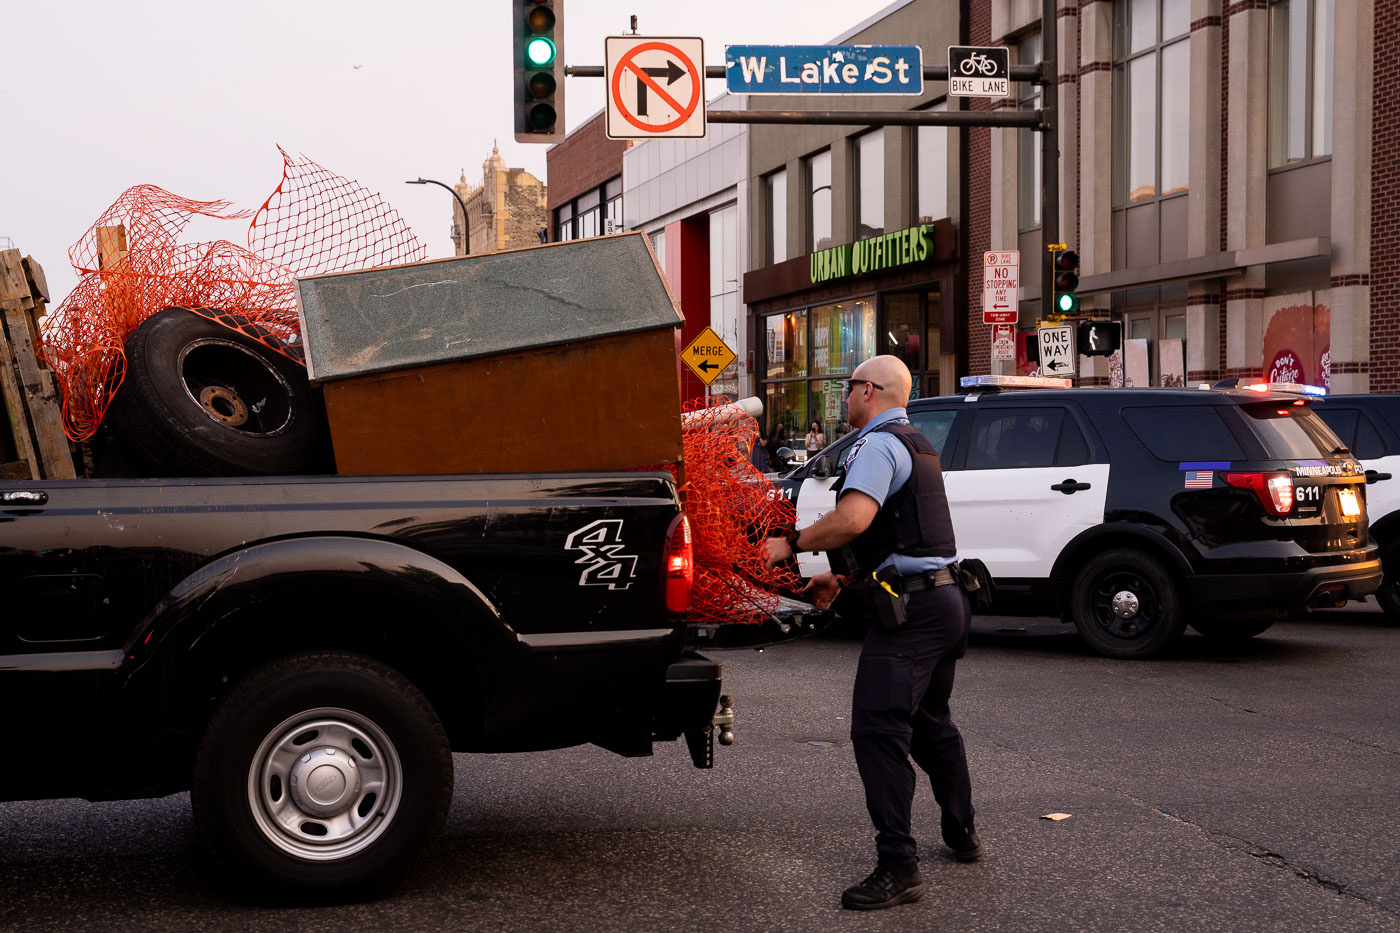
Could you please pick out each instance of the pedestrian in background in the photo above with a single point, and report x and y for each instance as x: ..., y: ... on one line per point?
x: 758, y: 454
x: 890, y: 540
x: 816, y: 440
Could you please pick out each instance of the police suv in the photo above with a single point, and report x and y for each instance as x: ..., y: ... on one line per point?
x: 1135, y: 512
x: 1369, y: 425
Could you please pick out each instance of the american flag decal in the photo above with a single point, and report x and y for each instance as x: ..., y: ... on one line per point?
x: 1199, y: 479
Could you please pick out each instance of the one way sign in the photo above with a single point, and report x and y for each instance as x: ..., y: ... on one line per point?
x: 1056, y: 349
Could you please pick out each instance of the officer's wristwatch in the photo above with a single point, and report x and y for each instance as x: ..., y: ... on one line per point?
x: 792, y: 537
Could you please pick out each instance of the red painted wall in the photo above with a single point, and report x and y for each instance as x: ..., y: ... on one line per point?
x: 688, y: 273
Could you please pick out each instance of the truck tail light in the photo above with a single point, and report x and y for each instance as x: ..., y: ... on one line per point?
x: 680, y: 565
x: 1275, y: 490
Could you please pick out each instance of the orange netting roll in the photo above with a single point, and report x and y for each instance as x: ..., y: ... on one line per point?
x: 732, y: 508
x: 131, y: 265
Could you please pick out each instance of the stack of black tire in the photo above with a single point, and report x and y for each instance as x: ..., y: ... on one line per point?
x: 201, y: 398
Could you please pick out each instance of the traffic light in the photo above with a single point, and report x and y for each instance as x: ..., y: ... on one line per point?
x: 1066, y: 278
x: 538, y: 53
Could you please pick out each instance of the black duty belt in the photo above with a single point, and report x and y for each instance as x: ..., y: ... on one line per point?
x: 927, y: 580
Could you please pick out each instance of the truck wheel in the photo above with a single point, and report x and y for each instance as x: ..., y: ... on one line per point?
x: 1232, y: 630
x: 1125, y: 604
x: 1389, y: 593
x: 321, y: 773
x: 201, y: 399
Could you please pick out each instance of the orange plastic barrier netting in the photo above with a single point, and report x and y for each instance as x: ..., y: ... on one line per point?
x: 131, y: 265
x: 732, y: 508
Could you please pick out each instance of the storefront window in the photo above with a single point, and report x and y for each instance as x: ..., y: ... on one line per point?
x: 785, y: 345
x: 785, y: 406
x: 843, y: 336
x: 902, y: 335
x: 828, y: 408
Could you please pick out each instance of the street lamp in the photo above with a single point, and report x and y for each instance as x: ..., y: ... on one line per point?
x: 466, y: 222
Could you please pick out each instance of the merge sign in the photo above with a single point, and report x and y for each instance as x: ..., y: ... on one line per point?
x: 1001, y: 271
x: 708, y: 355
x: 824, y: 69
x: 1056, y: 349
x: 979, y: 72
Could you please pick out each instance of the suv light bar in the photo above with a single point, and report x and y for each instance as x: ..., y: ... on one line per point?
x: 1296, y: 388
x: 1014, y: 382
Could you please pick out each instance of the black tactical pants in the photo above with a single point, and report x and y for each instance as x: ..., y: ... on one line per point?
x: 900, y: 708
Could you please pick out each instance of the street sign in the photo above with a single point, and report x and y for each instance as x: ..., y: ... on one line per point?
x: 824, y: 69
x: 1003, y: 341
x: 1000, y: 280
x: 979, y: 72
x: 1056, y: 349
x: 656, y: 87
x: 708, y: 355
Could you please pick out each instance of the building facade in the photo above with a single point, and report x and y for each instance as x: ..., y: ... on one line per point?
x: 507, y: 210
x: 585, y: 183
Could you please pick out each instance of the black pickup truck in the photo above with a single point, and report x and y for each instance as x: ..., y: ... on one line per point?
x: 303, y: 654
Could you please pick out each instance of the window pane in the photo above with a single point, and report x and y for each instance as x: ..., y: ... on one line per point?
x: 1176, y: 20
x: 1026, y: 437
x: 786, y: 406
x: 777, y: 217
x: 1323, y: 25
x: 785, y: 344
x: 591, y: 199
x: 1142, y: 128
x: 658, y: 243
x: 931, y: 159
x: 819, y: 190
x: 614, y: 207
x: 1028, y: 165
x: 1174, y: 327
x: 932, y: 344
x: 934, y: 425
x: 1290, y: 432
x: 1142, y: 24
x: 902, y: 334
x: 870, y: 184
x: 1278, y: 83
x: 1186, y: 432
x: 1176, y: 117
x: 1296, y: 140
x: 1073, y: 449
x: 588, y: 223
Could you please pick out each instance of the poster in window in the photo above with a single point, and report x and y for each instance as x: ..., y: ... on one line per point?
x: 1171, y: 362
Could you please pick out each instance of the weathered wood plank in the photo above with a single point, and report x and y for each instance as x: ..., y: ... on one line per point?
x: 38, y: 282
x: 16, y: 469
x: 111, y: 247
x: 14, y: 286
x: 17, y: 415
x: 40, y: 396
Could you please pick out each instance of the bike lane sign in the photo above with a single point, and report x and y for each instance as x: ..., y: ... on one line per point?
x: 979, y: 72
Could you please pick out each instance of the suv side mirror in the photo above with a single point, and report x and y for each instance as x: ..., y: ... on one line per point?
x: 822, y: 468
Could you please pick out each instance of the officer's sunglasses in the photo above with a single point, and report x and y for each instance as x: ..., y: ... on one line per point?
x: 854, y: 382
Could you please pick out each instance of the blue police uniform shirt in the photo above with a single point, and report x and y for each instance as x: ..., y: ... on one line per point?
x: 878, y: 465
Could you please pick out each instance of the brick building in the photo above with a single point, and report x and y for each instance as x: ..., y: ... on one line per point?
x: 507, y: 210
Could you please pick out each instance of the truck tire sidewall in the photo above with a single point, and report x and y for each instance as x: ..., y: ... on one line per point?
x: 1161, y: 614
x: 267, y: 699
x: 171, y: 433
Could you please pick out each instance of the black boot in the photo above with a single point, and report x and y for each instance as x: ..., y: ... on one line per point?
x: 962, y: 840
x: 887, y: 886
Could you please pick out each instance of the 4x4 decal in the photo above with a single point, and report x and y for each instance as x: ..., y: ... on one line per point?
x: 601, y: 544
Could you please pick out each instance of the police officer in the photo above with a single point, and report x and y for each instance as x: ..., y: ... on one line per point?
x: 891, y: 519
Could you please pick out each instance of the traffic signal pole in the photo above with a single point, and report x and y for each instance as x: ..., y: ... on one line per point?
x: 1049, y: 153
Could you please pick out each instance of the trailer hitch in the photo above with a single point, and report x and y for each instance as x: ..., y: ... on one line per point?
x: 701, y: 742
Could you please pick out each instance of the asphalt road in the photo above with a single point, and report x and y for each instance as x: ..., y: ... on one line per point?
x: 1245, y: 789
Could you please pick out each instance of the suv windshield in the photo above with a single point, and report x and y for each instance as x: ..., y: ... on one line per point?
x: 1291, y: 432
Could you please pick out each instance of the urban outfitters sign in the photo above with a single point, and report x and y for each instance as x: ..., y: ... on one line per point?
x: 873, y: 254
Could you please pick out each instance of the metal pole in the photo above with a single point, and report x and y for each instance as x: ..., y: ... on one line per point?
x: 466, y: 223
x: 1030, y: 119
x: 1049, y: 152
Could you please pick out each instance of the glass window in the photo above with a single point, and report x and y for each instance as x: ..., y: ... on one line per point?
x: 1300, y: 80
x: 777, y: 216
x: 934, y: 425
x: 1151, y: 78
x: 785, y: 345
x: 1355, y: 430
x: 819, y: 191
x: 870, y: 184
x: 843, y: 336
x: 658, y: 244
x: 1023, y: 437
x: 1290, y: 431
x: 1183, y: 432
x: 587, y: 223
x: 786, y: 405
x: 1028, y: 163
x: 902, y: 335
x: 564, y: 222
x: 931, y: 170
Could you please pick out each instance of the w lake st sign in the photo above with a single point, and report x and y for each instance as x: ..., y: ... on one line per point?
x: 824, y: 69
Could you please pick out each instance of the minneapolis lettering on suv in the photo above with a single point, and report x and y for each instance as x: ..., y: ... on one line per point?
x: 913, y: 244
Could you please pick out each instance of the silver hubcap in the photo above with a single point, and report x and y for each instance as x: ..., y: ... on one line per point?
x: 1125, y: 604
x: 325, y: 784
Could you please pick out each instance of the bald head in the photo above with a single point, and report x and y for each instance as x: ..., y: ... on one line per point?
x: 866, y: 401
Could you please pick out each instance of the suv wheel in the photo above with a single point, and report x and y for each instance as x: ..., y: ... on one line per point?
x: 1389, y: 594
x: 1126, y: 605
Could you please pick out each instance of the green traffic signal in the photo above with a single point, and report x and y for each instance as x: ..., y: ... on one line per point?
x: 539, y: 52
x: 1068, y: 302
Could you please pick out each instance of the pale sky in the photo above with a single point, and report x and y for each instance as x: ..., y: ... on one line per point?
x: 195, y: 98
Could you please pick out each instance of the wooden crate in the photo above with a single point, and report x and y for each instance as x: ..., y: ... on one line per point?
x: 547, y: 359
x: 32, y: 443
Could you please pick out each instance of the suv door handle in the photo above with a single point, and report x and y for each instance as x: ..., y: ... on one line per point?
x: 24, y: 497
x: 1373, y: 477
x: 1069, y: 487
